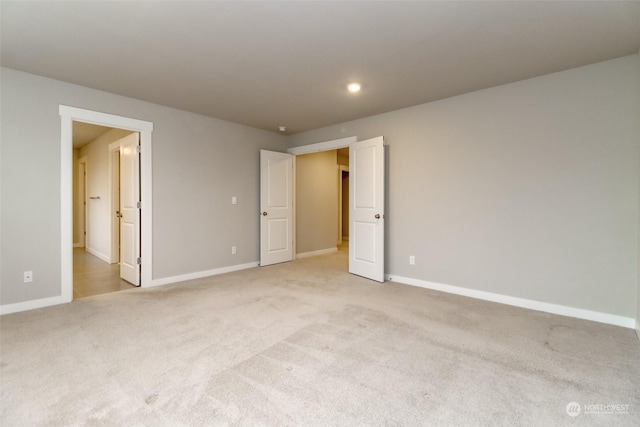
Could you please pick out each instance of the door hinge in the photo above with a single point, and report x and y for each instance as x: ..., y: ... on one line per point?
x: 139, y: 261
x: 139, y: 205
x: 138, y: 149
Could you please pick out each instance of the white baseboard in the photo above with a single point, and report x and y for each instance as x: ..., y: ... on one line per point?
x: 316, y: 253
x: 95, y: 253
x: 30, y: 305
x: 562, y: 310
x: 200, y: 274
x: 46, y: 302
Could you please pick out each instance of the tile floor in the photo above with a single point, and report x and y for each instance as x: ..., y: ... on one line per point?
x: 93, y: 276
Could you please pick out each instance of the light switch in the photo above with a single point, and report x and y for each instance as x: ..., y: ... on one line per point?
x: 234, y: 200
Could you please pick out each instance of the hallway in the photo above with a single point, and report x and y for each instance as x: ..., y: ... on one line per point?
x: 93, y: 276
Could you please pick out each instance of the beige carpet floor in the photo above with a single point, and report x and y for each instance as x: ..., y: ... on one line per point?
x: 305, y: 343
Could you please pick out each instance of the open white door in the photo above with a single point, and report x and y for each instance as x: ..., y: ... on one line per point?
x: 276, y: 207
x: 366, y: 209
x: 130, y: 219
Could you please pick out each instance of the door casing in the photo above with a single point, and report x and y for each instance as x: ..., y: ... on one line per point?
x: 67, y: 116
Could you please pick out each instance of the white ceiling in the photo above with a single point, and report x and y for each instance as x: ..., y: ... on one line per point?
x: 84, y: 133
x: 267, y: 64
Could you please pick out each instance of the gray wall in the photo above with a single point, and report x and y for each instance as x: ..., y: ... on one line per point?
x: 198, y: 164
x: 316, y: 201
x: 528, y: 189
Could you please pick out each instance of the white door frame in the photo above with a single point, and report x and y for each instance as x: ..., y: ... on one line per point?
x: 67, y: 116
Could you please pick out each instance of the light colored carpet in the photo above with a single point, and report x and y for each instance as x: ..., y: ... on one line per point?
x: 305, y: 343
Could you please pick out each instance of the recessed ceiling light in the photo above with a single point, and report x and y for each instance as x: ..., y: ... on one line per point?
x: 354, y: 87
x: 282, y: 128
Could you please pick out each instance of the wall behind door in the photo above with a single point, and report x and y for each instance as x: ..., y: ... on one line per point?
x: 316, y: 201
x: 78, y: 190
x: 345, y: 205
x: 98, y: 241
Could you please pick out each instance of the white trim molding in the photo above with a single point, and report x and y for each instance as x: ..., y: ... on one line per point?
x: 30, y: 305
x: 316, y: 253
x: 98, y: 254
x: 596, y: 316
x: 201, y: 274
x: 323, y: 146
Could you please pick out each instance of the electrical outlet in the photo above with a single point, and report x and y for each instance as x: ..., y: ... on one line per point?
x: 412, y: 260
x: 233, y: 250
x: 234, y: 200
x: 28, y: 276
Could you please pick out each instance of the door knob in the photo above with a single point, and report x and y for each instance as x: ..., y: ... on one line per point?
x: 377, y: 216
x: 264, y: 214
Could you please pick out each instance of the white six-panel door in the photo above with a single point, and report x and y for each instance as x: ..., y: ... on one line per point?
x: 130, y: 220
x: 276, y: 207
x: 366, y: 204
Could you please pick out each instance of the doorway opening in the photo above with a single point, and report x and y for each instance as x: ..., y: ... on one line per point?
x: 97, y: 267
x: 343, y: 206
x: 366, y: 204
x: 321, y: 202
x: 141, y: 241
